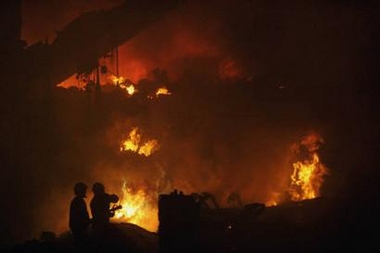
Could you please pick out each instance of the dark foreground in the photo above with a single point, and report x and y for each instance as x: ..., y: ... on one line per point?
x: 318, y: 225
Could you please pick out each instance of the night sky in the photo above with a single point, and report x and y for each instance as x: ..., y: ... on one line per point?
x: 248, y: 79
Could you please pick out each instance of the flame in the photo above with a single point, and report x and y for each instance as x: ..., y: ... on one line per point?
x: 124, y: 84
x: 138, y: 207
x: 148, y: 148
x: 162, y: 91
x: 131, y: 89
x: 133, y: 144
x: 308, y: 172
x: 117, y: 80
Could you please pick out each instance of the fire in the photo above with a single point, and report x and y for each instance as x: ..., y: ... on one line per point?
x: 117, y: 80
x: 148, y: 148
x: 138, y: 207
x: 124, y: 84
x: 131, y: 89
x: 162, y: 91
x: 133, y: 144
x: 308, y: 171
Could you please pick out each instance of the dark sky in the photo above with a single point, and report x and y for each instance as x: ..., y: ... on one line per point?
x: 228, y: 125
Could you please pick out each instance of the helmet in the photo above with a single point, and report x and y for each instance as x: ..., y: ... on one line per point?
x: 98, y: 188
x: 80, y: 189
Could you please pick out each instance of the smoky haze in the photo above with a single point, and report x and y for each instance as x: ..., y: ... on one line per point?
x: 248, y: 79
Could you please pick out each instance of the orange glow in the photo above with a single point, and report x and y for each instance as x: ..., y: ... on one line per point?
x: 162, y: 91
x: 148, y: 148
x: 131, y: 89
x: 117, y: 80
x: 273, y: 201
x: 308, y: 171
x: 138, y: 207
x: 133, y: 144
x: 72, y: 81
x: 124, y: 84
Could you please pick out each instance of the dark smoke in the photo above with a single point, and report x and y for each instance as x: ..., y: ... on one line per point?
x: 301, y: 66
x: 43, y: 19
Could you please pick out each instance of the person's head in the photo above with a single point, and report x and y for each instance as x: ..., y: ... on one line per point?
x: 98, y: 188
x: 80, y: 189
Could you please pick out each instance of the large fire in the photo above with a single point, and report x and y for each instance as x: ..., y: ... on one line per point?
x: 138, y: 207
x: 308, y: 171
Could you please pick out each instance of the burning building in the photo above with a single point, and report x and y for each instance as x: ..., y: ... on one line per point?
x: 209, y: 99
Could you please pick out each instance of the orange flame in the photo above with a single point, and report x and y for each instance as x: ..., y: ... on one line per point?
x: 124, y: 84
x: 162, y: 91
x: 138, y: 207
x: 117, y: 80
x: 148, y: 148
x: 133, y: 144
x: 308, y: 172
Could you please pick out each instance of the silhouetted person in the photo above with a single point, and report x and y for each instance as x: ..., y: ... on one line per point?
x: 79, y: 219
x: 100, y: 208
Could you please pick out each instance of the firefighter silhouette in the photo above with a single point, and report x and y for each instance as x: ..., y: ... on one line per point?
x: 79, y: 219
x: 100, y: 207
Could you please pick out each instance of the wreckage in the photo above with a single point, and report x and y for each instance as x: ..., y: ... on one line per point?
x: 187, y: 225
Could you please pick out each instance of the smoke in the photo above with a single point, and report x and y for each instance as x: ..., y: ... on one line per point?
x: 247, y: 78
x: 43, y: 19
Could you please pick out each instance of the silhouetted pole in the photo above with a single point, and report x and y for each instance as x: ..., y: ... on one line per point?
x: 117, y: 64
x: 97, y: 83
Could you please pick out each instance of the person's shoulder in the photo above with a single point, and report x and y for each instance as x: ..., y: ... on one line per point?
x: 76, y: 201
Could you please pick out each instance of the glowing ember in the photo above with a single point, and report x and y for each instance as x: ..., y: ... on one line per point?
x: 133, y: 144
x: 308, y: 172
x: 138, y: 207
